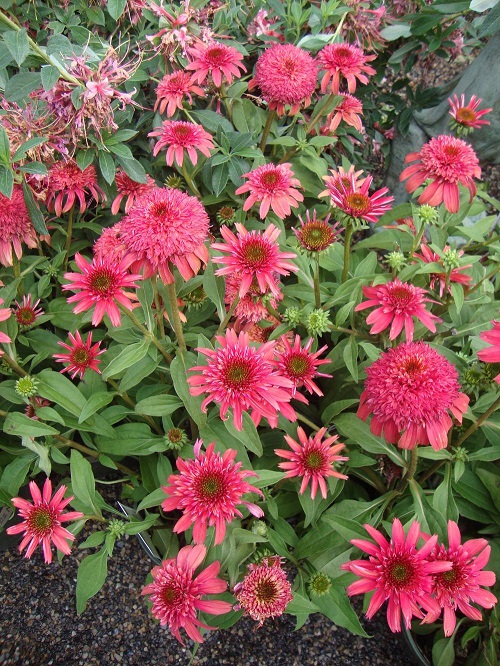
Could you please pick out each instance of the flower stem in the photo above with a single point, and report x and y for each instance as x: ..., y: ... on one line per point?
x: 69, y: 234
x: 189, y: 181
x: 418, y: 238
x: 349, y: 229
x: 412, y: 465
x: 14, y: 365
x: 176, y: 320
x: 267, y: 128
x: 159, y: 309
x: 147, y: 333
x: 307, y: 422
x: 479, y: 422
x: 228, y: 316
x: 317, y: 292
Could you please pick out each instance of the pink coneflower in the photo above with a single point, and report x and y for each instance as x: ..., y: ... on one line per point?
x: 207, y: 491
x: 27, y: 312
x: 316, y: 235
x: 354, y: 199
x: 446, y: 162
x: 129, y: 189
x: 444, y: 278
x: 265, y: 591
x: 221, y: 61
x: 466, y: 116
x: 312, y: 459
x: 15, y: 226
x: 300, y: 365
x: 176, y: 594
x: 462, y: 583
x: 349, y: 111
x: 410, y: 390
x: 182, y: 136
x: 491, y: 354
x: 350, y: 179
x: 252, y: 306
x: 286, y: 75
x: 396, y: 571
x: 42, y: 520
x: 100, y: 284
x: 109, y: 245
x: 344, y: 60
x: 254, y: 255
x: 167, y: 227
x: 242, y: 378
x: 81, y: 355
x: 66, y: 183
x: 396, y: 304
x: 173, y: 89
x: 5, y: 313
x: 274, y: 186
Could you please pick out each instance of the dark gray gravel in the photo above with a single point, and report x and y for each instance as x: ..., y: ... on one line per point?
x: 39, y: 625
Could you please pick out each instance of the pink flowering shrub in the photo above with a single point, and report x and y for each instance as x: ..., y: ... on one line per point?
x: 207, y: 288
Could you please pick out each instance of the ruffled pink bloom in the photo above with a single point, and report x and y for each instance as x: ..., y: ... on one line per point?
x: 444, y: 278
x: 42, y: 520
x: 167, y: 228
x: 66, y: 183
x: 242, y: 378
x: 300, y: 365
x: 274, y: 186
x: 265, y: 591
x: 344, y: 61
x: 396, y: 571
x: 27, y: 312
x: 15, y: 226
x: 176, y: 594
x: 286, y: 75
x: 316, y: 235
x: 446, y: 162
x: 129, y: 189
x: 221, y: 61
x: 349, y: 111
x: 396, y: 304
x: 255, y: 256
x: 462, y: 584
x: 173, y: 89
x: 5, y: 313
x: 349, y: 178
x: 109, y: 245
x: 99, y: 285
x: 466, y: 115
x: 491, y: 354
x: 81, y: 355
x: 207, y: 491
x: 312, y: 459
x: 409, y: 391
x: 252, y: 306
x: 354, y: 198
x: 179, y: 136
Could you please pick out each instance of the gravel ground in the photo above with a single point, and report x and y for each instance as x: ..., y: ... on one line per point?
x: 39, y: 625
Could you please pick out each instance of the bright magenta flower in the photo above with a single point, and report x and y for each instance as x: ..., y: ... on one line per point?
x: 312, y: 459
x: 396, y: 304
x: 81, y: 355
x: 274, y: 186
x: 344, y: 60
x: 15, y: 226
x: 491, y: 354
x: 349, y: 111
x: 173, y: 89
x: 129, y: 189
x: 42, y: 520
x: 396, y: 571
x: 265, y: 591
x: 446, y: 162
x: 5, y: 313
x: 354, y: 198
x: 465, y: 115
x: 252, y: 306
x: 26, y: 312
x: 286, y: 75
x: 243, y: 378
x: 410, y: 390
x: 300, y: 365
x: 221, y: 61
x: 255, y: 256
x: 179, y: 136
x: 100, y: 284
x: 109, y: 245
x: 444, y: 278
x: 207, y: 491
x: 167, y: 227
x: 176, y: 594
x: 66, y: 183
x: 316, y: 235
x: 463, y: 583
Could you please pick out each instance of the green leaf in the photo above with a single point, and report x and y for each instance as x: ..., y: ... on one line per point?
x: 23, y: 149
x: 159, y: 405
x: 131, y: 439
x: 267, y: 477
x: 18, y: 44
x: 443, y: 652
x: 133, y: 169
x: 84, y: 158
x: 21, y: 425
x: 41, y: 451
x: 358, y: 431
x: 350, y: 356
x: 249, y: 436
x: 153, y: 499
x: 179, y: 370
x: 443, y: 500
x: 220, y: 176
x: 301, y: 605
x: 6, y: 181
x: 430, y: 520
x: 94, y: 403
x: 82, y: 482
x: 36, y: 215
x: 335, y: 605
x: 211, y: 121
x: 336, y: 408
x: 136, y: 526
x: 214, y: 288
x: 130, y: 355
x: 107, y: 166
x: 347, y: 528
x: 4, y: 146
x: 21, y: 85
x: 36, y: 168
x: 59, y: 389
x: 116, y: 8
x: 94, y: 540
x: 91, y: 575
x: 14, y: 474
x: 50, y: 76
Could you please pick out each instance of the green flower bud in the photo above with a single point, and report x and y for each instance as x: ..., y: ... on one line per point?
x: 396, y: 260
x: 317, y: 322
x: 259, y: 527
x: 174, y: 183
x: 226, y: 215
x: 460, y: 454
x: 175, y: 439
x: 428, y: 214
x: 195, y: 299
x: 116, y: 528
x: 450, y: 259
x: 26, y: 387
x: 319, y: 584
x: 293, y: 316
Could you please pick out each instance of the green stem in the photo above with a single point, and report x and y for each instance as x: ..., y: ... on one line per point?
x: 317, y: 292
x: 289, y: 154
x: 373, y: 477
x: 189, y: 181
x: 69, y: 234
x: 307, y: 422
x: 349, y: 229
x: 486, y: 277
x: 412, y: 465
x: 267, y: 128
x: 228, y: 316
x: 159, y: 309
x: 14, y: 365
x: 479, y: 422
x: 177, y: 324
x: 97, y: 519
x: 418, y: 238
x: 272, y: 311
x: 146, y: 333
x: 127, y: 400
x: 351, y: 331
